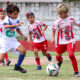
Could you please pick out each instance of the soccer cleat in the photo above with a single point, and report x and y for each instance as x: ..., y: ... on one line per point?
x: 18, y: 68
x: 76, y: 74
x: 38, y: 68
x: 8, y: 62
x: 59, y: 64
x: 49, y: 57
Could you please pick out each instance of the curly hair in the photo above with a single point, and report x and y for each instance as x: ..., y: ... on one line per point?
x: 11, y: 8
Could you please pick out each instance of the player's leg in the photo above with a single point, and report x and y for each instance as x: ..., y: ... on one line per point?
x: 22, y: 54
x: 37, y: 59
x: 2, y: 55
x: 71, y: 48
x: 7, y: 60
x: 59, y: 59
x: 59, y: 50
x: 44, y: 50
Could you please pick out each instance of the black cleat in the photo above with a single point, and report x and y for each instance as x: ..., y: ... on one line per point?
x: 49, y: 57
x: 8, y: 62
x: 76, y: 74
x: 59, y: 64
x: 18, y: 68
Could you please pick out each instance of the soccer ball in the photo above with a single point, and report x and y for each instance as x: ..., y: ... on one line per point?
x: 52, y: 69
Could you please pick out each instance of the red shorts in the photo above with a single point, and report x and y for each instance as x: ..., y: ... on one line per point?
x: 42, y: 46
x: 63, y: 47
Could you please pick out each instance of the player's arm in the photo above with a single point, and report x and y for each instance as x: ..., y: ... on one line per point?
x: 53, y: 37
x: 54, y: 28
x: 20, y: 33
x: 30, y: 36
x: 11, y: 26
x: 45, y: 27
x: 77, y: 23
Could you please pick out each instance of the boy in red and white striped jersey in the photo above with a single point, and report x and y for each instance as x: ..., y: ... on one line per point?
x: 39, y: 41
x: 62, y: 30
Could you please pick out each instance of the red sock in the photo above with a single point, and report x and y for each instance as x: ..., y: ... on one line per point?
x: 59, y: 58
x: 74, y: 62
x: 37, y: 61
x: 6, y: 56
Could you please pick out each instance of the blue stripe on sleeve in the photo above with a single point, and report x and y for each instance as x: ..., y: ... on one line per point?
x: 17, y: 28
x: 5, y: 23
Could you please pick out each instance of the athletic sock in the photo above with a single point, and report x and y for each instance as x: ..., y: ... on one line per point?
x: 59, y: 59
x: 6, y: 56
x: 20, y: 59
x: 74, y: 62
x: 37, y: 61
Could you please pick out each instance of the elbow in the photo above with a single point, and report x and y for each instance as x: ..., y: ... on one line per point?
x: 5, y: 27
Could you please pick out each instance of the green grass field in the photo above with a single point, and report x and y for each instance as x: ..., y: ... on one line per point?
x: 66, y: 71
x: 31, y: 54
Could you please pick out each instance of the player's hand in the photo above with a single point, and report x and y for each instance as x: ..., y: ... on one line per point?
x: 19, y: 24
x: 25, y: 38
x: 42, y: 32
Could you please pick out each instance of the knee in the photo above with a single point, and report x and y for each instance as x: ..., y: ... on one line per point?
x: 23, y: 51
x: 35, y: 52
x: 44, y: 53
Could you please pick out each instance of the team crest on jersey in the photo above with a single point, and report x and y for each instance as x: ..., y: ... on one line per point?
x: 12, y: 30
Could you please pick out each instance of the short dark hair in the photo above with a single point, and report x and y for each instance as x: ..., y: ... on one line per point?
x: 29, y: 13
x: 11, y: 8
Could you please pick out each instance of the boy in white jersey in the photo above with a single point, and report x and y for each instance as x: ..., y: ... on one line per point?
x: 62, y: 30
x: 39, y: 41
x: 2, y: 17
x: 8, y: 40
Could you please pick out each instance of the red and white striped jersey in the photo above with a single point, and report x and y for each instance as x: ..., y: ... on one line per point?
x: 35, y: 30
x: 64, y: 30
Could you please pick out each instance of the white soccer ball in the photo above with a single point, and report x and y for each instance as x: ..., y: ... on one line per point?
x: 52, y: 69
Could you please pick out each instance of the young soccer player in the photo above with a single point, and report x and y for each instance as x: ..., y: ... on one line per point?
x: 2, y: 17
x: 62, y: 30
x: 39, y: 41
x: 8, y: 41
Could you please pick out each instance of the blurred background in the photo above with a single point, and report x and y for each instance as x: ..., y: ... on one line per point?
x: 44, y: 10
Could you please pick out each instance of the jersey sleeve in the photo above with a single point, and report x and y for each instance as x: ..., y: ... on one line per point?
x: 40, y: 23
x: 55, y: 25
x: 6, y: 22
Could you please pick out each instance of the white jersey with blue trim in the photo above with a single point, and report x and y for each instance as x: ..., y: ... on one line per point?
x: 8, y: 35
x: 10, y: 32
x: 8, y: 41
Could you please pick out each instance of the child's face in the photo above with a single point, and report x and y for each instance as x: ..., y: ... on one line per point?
x: 63, y: 15
x: 31, y: 19
x: 13, y: 15
x: 2, y: 15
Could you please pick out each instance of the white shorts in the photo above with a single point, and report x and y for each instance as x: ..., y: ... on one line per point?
x: 9, y: 46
